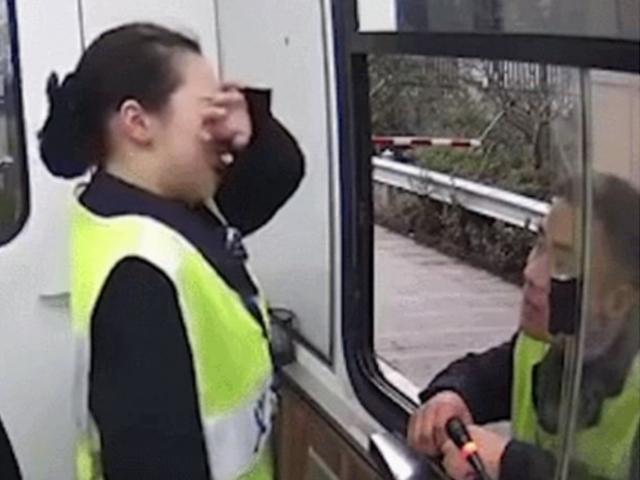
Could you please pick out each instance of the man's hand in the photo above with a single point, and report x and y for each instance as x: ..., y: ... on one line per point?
x: 491, y: 447
x: 427, y: 427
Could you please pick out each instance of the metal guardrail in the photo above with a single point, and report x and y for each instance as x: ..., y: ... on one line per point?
x: 6, y: 161
x: 508, y: 207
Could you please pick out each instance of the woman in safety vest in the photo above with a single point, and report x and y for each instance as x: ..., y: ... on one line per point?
x: 173, y: 361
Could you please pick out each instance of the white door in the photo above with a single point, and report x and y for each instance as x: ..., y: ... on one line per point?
x: 35, y: 346
x: 36, y: 351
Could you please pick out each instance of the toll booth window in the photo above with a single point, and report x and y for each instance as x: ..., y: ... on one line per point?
x: 13, y: 181
x: 506, y: 199
x: 466, y: 156
x: 610, y: 19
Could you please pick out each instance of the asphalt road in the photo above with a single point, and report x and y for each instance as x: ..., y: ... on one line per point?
x: 431, y: 309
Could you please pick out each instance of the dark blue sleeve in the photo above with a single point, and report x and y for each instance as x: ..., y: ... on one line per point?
x: 142, y: 384
x: 266, y: 174
x: 484, y: 380
x: 8, y: 464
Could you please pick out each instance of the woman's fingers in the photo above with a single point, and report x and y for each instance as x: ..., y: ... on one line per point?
x: 215, y: 113
x: 232, y: 85
x: 241, y: 140
x: 227, y: 118
x: 228, y: 98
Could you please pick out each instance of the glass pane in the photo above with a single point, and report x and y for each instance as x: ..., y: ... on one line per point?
x: 598, y: 18
x: 468, y: 154
x: 606, y: 405
x: 12, y: 192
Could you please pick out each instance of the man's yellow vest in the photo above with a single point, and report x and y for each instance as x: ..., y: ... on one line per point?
x: 606, y: 448
x: 230, y: 353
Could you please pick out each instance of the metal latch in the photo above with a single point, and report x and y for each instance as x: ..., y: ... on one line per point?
x: 283, y: 325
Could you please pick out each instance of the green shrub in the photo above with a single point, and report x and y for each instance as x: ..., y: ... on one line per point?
x: 496, y: 167
x: 488, y: 244
x: 7, y: 209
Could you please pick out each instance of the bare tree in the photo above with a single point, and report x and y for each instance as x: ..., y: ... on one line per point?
x: 532, y: 97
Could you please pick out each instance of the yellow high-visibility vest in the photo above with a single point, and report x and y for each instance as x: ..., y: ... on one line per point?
x: 605, y: 449
x: 230, y: 353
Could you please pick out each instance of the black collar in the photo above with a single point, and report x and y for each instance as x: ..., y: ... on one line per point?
x: 109, y: 196
x: 221, y: 245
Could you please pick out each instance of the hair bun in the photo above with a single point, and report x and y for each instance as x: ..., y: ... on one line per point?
x: 63, y: 95
x: 59, y: 136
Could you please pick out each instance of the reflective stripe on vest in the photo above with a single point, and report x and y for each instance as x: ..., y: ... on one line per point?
x: 230, y: 353
x: 604, y: 449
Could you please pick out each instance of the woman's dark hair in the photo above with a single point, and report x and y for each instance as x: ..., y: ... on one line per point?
x: 616, y: 205
x: 134, y: 61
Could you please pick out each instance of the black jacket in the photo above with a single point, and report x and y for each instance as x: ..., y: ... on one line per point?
x: 8, y: 464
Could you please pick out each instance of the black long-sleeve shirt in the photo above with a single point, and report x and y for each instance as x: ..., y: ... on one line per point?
x: 142, y: 384
x: 265, y: 175
x: 484, y: 381
x: 8, y: 464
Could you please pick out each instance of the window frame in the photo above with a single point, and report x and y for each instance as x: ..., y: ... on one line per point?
x: 21, y: 153
x: 379, y: 397
x: 412, y: 9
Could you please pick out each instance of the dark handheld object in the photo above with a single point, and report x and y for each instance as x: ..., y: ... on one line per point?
x: 564, y: 311
x: 460, y: 436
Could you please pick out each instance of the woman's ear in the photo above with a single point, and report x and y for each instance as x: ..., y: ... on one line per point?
x: 135, y: 123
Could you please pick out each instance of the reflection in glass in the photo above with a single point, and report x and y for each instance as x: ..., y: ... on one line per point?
x: 603, y: 388
x: 582, y: 383
x: 605, y: 409
x: 597, y: 18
